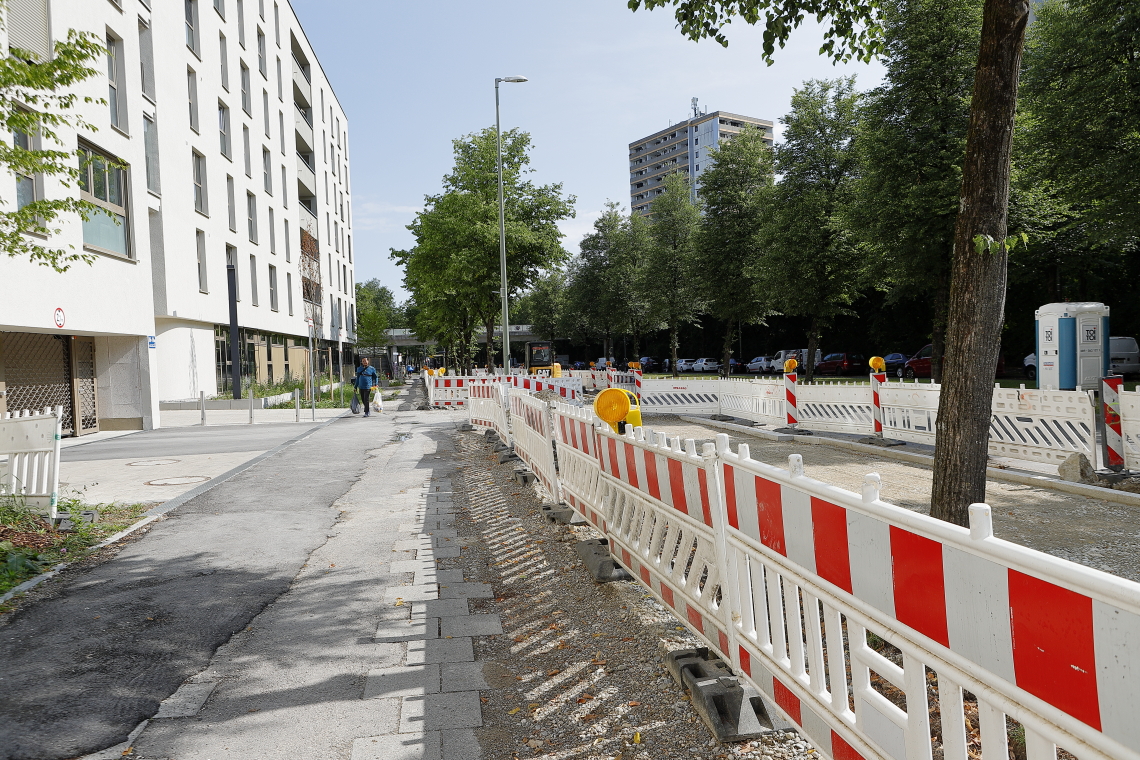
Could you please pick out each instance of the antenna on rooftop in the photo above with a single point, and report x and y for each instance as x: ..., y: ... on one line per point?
x: 696, y: 108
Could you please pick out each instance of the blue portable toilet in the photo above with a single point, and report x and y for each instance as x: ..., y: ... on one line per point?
x: 1072, y: 346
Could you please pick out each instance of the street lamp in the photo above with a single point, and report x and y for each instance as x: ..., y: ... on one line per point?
x: 503, y: 225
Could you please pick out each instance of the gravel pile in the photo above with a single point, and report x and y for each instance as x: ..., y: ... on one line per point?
x: 579, y: 670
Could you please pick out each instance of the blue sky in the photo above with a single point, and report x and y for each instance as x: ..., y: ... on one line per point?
x: 412, y: 76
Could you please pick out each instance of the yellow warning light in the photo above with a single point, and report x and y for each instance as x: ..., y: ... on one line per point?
x: 790, y: 365
x: 617, y: 405
x: 877, y: 363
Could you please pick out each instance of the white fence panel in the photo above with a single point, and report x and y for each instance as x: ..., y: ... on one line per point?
x: 760, y: 400
x: 487, y: 404
x: 31, y: 444
x: 668, y: 396
x: 836, y: 407
x: 578, y: 471
x: 569, y: 388
x: 532, y: 431
x: 1043, y: 426
x: 1130, y: 427
x: 909, y: 411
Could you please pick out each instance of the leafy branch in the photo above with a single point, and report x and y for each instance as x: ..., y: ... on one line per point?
x: 987, y: 244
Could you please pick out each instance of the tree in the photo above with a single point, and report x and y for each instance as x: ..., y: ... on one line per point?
x: 36, y: 100
x: 667, y: 279
x: 375, y: 312
x: 453, y: 271
x: 541, y: 306
x: 910, y: 145
x: 978, y: 274
x: 733, y: 194
x: 807, y: 265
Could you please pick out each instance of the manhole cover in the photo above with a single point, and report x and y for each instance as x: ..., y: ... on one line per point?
x: 152, y: 462
x: 184, y: 480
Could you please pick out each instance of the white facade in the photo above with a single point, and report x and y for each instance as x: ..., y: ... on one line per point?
x: 229, y: 129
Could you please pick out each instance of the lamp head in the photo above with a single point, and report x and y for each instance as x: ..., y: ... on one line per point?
x: 511, y: 79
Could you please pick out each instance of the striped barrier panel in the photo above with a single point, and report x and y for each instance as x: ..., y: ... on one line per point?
x: 877, y: 379
x: 532, y: 432
x: 791, y: 413
x: 657, y: 504
x: 861, y: 619
x: 1130, y: 427
x: 30, y: 441
x: 835, y: 407
x: 1113, y: 434
x: 755, y: 400
x: 585, y: 375
x: 578, y: 471
x: 449, y: 390
x: 668, y: 396
x: 487, y: 404
x: 909, y: 410
x: 630, y: 381
x: 1043, y: 426
x: 569, y: 388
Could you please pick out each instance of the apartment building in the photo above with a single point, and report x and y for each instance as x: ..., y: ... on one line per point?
x: 682, y: 147
x: 236, y: 151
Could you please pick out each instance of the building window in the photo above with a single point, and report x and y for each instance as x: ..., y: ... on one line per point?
x: 146, y: 59
x: 288, y: 247
x: 350, y: 249
x: 336, y: 236
x: 265, y: 108
x: 192, y: 97
x: 280, y: 81
x: 115, y: 93
x: 224, y: 58
x: 192, y: 25
x: 251, y: 216
x: 231, y: 202
x: 245, y: 145
x: 200, y: 240
x: 261, y: 9
x: 224, y: 129
x: 246, y: 98
x: 272, y: 232
x: 220, y: 7
x: 281, y: 129
x: 103, y: 183
x: 241, y: 22
x: 231, y: 261
x: 253, y: 279
x: 150, y: 145
x: 267, y: 170
x: 199, y: 170
x: 261, y: 66
x: 273, y: 287
x: 284, y: 188
x: 289, y: 290
x: 25, y: 183
x: 277, y: 24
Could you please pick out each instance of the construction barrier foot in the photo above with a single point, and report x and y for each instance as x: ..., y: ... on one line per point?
x: 561, y: 514
x: 491, y: 435
x: 595, y: 553
x: 733, y: 710
x: 792, y: 431
x: 500, y: 446
x: 523, y: 477
x: 465, y: 427
x: 874, y: 440
x: 507, y: 456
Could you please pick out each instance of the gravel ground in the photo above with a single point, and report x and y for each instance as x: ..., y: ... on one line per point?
x: 579, y: 670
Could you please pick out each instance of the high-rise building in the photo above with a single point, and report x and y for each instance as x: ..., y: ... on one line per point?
x: 682, y: 147
x: 234, y: 150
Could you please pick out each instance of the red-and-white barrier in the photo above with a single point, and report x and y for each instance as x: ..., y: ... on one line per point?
x: 877, y: 380
x: 488, y: 406
x: 1113, y: 431
x: 569, y: 388
x: 790, y: 411
x: 532, y: 432
x: 1130, y: 428
x: 578, y: 472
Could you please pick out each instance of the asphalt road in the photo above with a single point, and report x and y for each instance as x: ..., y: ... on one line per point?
x: 81, y: 670
x: 166, y: 442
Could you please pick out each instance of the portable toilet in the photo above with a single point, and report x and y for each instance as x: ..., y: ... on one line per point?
x: 1072, y: 346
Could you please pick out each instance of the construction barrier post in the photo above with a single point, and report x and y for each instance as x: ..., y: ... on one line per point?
x: 790, y: 409
x: 877, y: 379
x: 1113, y: 436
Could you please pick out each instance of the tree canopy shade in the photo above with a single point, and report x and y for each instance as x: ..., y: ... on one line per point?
x: 735, y: 190
x: 37, y: 100
x: 910, y: 144
x: 453, y: 270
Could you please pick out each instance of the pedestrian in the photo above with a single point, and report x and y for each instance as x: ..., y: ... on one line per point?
x: 366, y: 380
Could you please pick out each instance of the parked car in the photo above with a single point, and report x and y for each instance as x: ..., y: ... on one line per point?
x: 919, y: 364
x: 841, y: 364
x: 684, y: 365
x: 650, y: 364
x: 759, y: 365
x: 1124, y: 355
x: 1029, y: 364
x: 735, y: 366
x: 777, y: 363
x: 706, y: 365
x: 895, y: 362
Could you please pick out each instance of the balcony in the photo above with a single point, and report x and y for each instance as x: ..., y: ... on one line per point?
x: 302, y: 88
x: 306, y: 178
x: 305, y: 140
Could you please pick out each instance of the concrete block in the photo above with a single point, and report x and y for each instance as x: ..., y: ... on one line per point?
x: 409, y: 565
x: 442, y: 533
x: 440, y: 650
x: 441, y: 608
x: 470, y: 625
x: 466, y: 590
x: 407, y: 630
x: 460, y: 744
x: 187, y: 701
x: 595, y: 554
x: 435, y: 712
x: 442, y: 552
x: 412, y: 544
x: 403, y: 681
x: 410, y: 593
x: 462, y: 676
x: 414, y: 746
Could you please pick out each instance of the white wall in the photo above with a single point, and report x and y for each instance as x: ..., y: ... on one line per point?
x: 186, y: 359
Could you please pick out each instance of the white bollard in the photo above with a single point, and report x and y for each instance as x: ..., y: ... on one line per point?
x: 297, y: 404
x: 202, y: 406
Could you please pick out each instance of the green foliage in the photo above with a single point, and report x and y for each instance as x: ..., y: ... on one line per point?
x: 376, y: 311
x: 36, y: 99
x: 541, y: 307
x: 853, y: 31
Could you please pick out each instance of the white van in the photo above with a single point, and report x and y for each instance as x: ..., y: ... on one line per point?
x: 1124, y: 355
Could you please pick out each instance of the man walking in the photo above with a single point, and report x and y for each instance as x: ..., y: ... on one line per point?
x: 366, y: 380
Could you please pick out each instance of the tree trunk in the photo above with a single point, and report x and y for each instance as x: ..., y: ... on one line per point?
x: 490, y: 327
x: 938, y: 333
x: 673, y: 342
x: 813, y: 346
x: 726, y: 369
x: 978, y: 280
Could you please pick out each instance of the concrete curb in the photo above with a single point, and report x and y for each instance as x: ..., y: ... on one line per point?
x: 156, y: 512
x: 996, y: 473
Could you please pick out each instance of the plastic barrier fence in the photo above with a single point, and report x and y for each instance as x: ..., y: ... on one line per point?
x: 578, y: 472
x: 756, y: 400
x: 488, y: 407
x: 680, y: 396
x: 1130, y: 428
x: 1043, y: 426
x: 569, y: 388
x: 630, y: 381
x: 533, y: 434
x: 836, y: 407
x: 31, y: 443
x: 454, y: 390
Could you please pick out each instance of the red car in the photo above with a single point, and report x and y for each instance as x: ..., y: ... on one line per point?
x: 919, y: 364
x: 841, y: 364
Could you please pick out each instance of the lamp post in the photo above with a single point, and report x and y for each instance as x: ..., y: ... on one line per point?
x: 503, y: 225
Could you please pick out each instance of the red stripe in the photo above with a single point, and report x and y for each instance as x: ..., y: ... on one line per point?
x: 667, y: 595
x: 614, y: 470
x: 770, y: 511
x: 730, y: 496
x: 651, y: 475
x: 832, y: 560
x: 694, y: 616
x: 787, y: 701
x: 1053, y: 654
x: 562, y: 426
x: 631, y: 464
x: 920, y: 592
x: 722, y: 639
x: 706, y: 507
x: 677, y: 486
x: 626, y: 558
x: 841, y: 750
x: 745, y: 660
x: 644, y: 572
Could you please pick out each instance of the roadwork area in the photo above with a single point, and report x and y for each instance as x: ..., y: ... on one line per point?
x: 1104, y: 535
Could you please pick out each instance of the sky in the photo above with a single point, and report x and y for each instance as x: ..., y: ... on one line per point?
x: 413, y: 76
